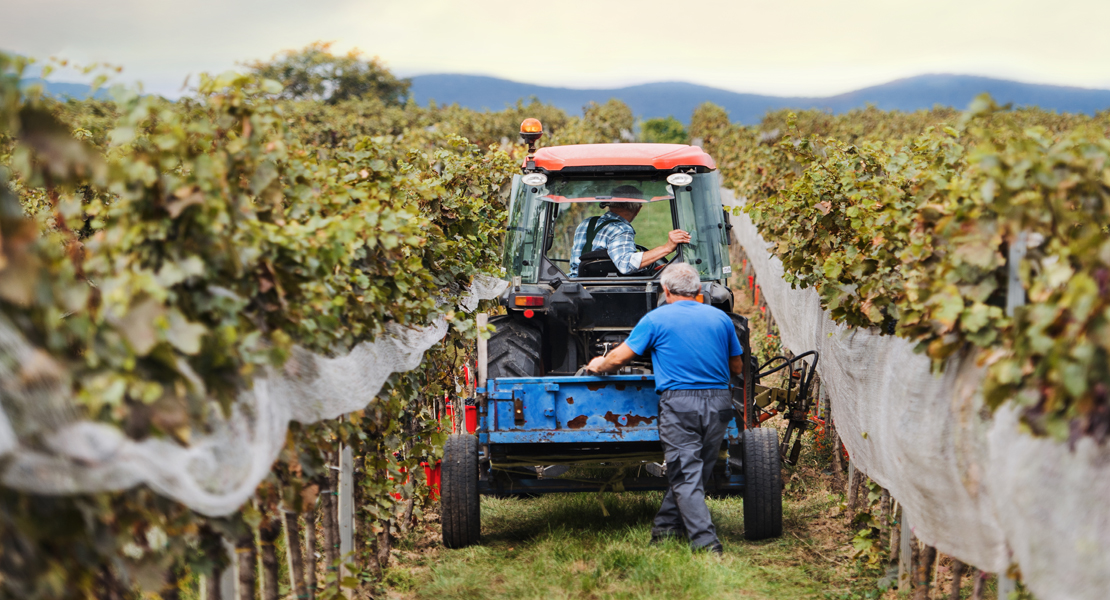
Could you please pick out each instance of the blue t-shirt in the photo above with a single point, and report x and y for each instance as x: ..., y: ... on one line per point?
x: 690, y: 345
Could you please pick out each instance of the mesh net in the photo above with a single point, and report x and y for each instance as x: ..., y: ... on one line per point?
x: 972, y: 484
x: 221, y: 467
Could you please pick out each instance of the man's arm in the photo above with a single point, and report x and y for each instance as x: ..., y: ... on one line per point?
x: 617, y: 358
x: 736, y: 364
x: 674, y: 238
x: 622, y: 249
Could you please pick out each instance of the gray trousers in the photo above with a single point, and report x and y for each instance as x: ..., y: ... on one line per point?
x: 692, y: 425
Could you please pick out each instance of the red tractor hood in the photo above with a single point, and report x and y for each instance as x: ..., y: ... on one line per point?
x: 660, y: 156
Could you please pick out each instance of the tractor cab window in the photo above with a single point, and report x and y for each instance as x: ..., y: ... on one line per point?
x: 524, y: 232
x: 652, y: 225
x: 573, y: 202
x: 699, y: 213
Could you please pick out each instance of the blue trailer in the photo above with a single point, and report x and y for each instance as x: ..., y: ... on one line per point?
x: 531, y: 429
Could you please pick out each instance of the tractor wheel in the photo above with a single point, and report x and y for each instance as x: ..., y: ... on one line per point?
x: 762, y: 484
x: 460, y: 510
x: 514, y: 348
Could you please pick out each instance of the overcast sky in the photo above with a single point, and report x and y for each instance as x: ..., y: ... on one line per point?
x: 783, y: 47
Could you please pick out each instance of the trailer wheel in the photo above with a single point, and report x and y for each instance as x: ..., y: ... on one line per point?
x: 762, y: 484
x: 460, y: 510
x: 514, y: 348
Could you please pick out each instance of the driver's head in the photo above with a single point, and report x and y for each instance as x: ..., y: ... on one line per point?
x: 628, y: 210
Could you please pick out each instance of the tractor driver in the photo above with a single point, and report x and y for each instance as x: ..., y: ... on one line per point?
x: 613, y: 232
x: 693, y: 348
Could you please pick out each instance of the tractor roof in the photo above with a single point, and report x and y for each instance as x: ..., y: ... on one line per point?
x: 663, y: 157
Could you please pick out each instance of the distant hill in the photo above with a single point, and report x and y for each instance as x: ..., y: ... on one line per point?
x: 679, y: 99
x: 61, y: 89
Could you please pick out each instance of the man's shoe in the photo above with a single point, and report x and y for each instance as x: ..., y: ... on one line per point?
x: 715, y: 549
x: 665, y: 536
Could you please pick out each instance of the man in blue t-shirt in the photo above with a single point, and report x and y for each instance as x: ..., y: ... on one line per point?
x: 693, y: 349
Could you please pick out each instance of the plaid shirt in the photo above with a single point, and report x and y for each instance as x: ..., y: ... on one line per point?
x: 619, y: 238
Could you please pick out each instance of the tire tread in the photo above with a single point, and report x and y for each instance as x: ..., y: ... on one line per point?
x: 460, y: 507
x: 762, y: 484
x: 514, y: 348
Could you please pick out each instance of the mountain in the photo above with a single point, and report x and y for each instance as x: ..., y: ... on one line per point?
x: 62, y: 90
x: 679, y: 99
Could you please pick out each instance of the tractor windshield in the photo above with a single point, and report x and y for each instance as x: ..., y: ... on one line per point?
x: 543, y: 220
x: 607, y: 190
x: 700, y: 213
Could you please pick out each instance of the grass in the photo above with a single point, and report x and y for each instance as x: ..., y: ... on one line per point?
x: 564, y: 546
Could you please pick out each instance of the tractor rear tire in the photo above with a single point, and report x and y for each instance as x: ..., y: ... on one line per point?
x: 514, y: 348
x: 460, y: 508
x: 762, y: 484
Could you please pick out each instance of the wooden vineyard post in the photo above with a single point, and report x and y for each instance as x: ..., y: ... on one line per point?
x: 958, y: 570
x: 328, y: 517
x: 346, y: 514
x: 907, y: 542
x: 837, y: 460
x: 923, y: 574
x: 896, y: 536
x: 884, y: 513
x: 856, y: 479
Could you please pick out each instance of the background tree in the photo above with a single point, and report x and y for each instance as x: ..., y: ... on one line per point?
x: 663, y: 131
x: 314, y: 73
x: 709, y: 123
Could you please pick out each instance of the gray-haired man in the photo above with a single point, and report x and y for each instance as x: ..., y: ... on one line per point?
x: 693, y: 349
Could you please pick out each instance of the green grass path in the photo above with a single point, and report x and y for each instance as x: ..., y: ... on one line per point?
x: 563, y: 546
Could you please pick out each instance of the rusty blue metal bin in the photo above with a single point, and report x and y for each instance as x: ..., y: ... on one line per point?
x: 537, y: 421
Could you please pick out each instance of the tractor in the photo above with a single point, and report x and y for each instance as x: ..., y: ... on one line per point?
x: 544, y: 424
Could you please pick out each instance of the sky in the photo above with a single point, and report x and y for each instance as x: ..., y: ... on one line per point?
x: 779, y: 47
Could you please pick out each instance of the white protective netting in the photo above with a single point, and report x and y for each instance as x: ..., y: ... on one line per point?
x: 972, y: 484
x: 220, y: 468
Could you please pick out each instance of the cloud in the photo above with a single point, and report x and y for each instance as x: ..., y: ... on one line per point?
x: 807, y: 47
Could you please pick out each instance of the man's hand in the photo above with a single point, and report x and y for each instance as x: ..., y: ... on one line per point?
x: 617, y: 357
x: 597, y: 365
x: 674, y: 238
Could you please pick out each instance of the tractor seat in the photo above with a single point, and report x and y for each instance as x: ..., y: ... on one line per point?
x: 596, y: 263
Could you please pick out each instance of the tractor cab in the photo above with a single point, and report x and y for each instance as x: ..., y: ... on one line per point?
x: 585, y: 301
x: 674, y: 187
